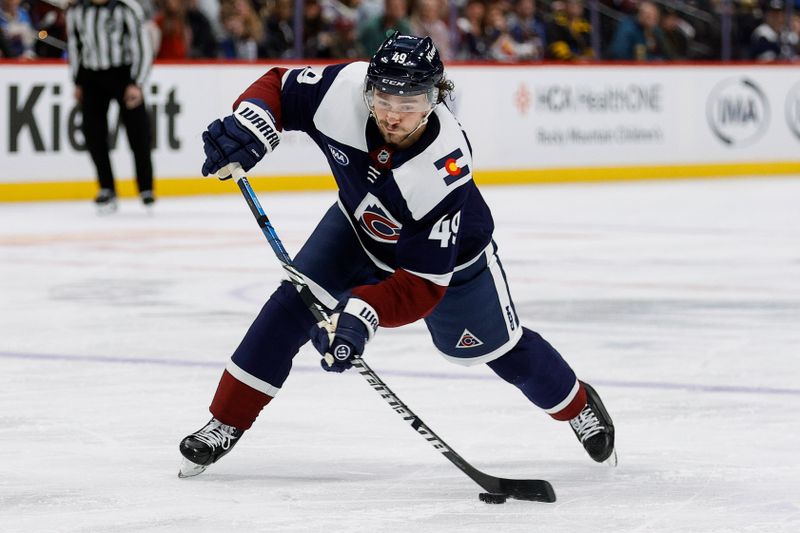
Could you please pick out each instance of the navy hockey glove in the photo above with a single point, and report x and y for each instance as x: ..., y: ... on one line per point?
x: 352, y: 326
x: 243, y: 137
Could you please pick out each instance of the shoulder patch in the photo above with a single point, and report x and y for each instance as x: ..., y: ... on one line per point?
x: 453, y: 166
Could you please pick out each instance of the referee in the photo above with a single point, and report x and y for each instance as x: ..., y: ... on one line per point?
x: 110, y: 57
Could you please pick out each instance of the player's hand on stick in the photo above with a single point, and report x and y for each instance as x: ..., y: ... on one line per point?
x: 243, y: 137
x: 353, y: 324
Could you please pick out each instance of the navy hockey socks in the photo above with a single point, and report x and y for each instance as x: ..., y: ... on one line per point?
x: 539, y: 371
x: 263, y: 358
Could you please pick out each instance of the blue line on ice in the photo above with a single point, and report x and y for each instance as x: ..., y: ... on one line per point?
x: 690, y: 387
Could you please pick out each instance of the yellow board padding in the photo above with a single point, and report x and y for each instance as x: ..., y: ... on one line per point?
x: 126, y: 188
x: 83, y: 190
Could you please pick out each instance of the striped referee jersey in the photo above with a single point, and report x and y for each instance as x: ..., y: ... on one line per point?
x: 106, y: 35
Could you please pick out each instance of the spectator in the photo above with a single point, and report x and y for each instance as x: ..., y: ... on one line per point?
x: 569, y: 33
x: 502, y: 46
x: 342, y: 17
x: 678, y: 33
x: 335, y: 10
x: 471, y: 30
x: 794, y: 35
x: 5, y: 51
x: 527, y: 27
x: 369, y: 9
x: 203, y: 43
x: 175, y: 32
x: 52, y: 20
x: 426, y: 21
x: 640, y: 38
x: 17, y: 29
x: 766, y: 42
x: 318, y: 34
x: 375, y: 31
x: 243, y: 28
x: 211, y: 10
x: 625, y: 7
x: 279, y: 31
x: 745, y: 19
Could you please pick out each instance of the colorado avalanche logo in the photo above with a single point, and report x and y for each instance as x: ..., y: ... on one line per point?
x: 377, y: 221
x: 468, y: 340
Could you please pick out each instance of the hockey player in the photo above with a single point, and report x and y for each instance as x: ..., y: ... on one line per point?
x: 410, y: 237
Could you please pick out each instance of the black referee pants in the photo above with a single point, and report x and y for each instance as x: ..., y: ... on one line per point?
x: 99, y: 88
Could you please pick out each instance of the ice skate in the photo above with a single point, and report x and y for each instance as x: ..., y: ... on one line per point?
x: 148, y: 201
x: 595, y: 429
x: 205, y: 446
x: 106, y: 202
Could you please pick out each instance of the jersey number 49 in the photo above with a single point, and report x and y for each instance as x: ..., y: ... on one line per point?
x: 445, y: 230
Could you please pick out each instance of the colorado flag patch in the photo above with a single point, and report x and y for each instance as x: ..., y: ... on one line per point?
x: 468, y: 340
x: 452, y: 167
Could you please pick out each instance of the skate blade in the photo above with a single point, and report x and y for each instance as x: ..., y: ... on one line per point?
x: 612, y: 459
x: 107, y: 209
x: 190, y: 469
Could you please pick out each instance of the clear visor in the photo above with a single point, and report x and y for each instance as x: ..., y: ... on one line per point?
x: 419, y: 103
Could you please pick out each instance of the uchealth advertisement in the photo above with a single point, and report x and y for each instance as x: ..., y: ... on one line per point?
x: 519, y: 120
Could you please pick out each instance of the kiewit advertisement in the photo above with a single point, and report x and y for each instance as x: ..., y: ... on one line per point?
x: 580, y: 121
x: 41, y: 138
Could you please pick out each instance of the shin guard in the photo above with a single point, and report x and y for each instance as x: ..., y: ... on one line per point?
x: 539, y: 371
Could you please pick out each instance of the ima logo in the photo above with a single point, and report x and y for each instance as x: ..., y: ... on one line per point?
x: 452, y: 167
x: 738, y: 111
x: 468, y: 340
x: 377, y: 221
x: 339, y: 156
x: 793, y: 109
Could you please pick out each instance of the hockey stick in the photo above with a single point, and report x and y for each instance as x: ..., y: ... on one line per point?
x: 521, y: 489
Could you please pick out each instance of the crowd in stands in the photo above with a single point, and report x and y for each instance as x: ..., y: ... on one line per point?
x: 472, y: 30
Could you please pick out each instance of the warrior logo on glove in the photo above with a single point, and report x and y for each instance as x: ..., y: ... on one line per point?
x: 243, y: 137
x: 260, y: 120
x: 342, y: 352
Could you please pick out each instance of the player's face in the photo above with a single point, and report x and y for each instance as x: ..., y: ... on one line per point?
x: 399, y: 116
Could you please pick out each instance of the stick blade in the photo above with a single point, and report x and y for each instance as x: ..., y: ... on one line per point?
x: 534, y: 490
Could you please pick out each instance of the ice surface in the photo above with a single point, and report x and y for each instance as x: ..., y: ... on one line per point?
x: 679, y: 301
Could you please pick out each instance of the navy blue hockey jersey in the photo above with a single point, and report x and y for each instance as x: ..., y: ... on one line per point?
x: 417, y: 209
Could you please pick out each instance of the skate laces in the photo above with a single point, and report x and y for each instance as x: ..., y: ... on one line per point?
x: 216, y: 434
x: 586, y: 424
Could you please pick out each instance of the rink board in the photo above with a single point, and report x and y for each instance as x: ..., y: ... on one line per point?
x: 534, y: 123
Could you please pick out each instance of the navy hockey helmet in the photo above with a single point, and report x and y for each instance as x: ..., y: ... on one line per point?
x: 406, y: 65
